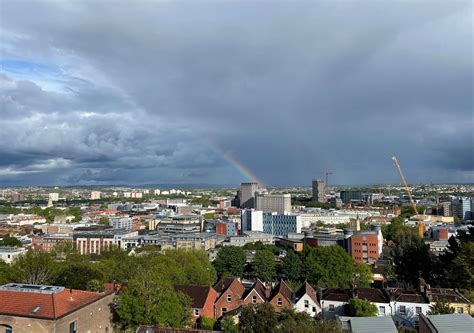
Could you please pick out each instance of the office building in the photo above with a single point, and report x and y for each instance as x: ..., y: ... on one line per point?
x: 281, y: 224
x: 125, y: 223
x: 351, y: 196
x: 95, y: 195
x: 252, y: 220
x: 279, y: 203
x: 462, y: 208
x: 247, y: 194
x: 444, y: 209
x: 270, y: 223
x: 94, y: 242
x: 366, y: 246
x: 319, y: 191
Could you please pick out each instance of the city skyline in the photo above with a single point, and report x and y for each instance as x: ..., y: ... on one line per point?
x: 223, y: 93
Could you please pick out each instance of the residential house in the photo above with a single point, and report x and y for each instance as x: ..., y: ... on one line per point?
x: 306, y: 300
x: 407, y: 305
x: 334, y: 302
x: 281, y: 297
x: 258, y: 293
x: 38, y: 308
x: 455, y: 299
x: 202, y: 299
x: 230, y: 293
x: 379, y: 297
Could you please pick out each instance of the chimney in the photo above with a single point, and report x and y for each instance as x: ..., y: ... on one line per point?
x: 70, y: 295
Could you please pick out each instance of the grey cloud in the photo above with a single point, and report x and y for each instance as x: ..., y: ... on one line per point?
x: 292, y: 89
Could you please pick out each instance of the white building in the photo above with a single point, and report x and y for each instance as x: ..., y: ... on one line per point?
x: 252, y: 220
x: 95, y: 195
x: 157, y: 192
x: 121, y: 222
x: 10, y: 253
x: 306, y: 300
x: 249, y: 237
x: 53, y: 197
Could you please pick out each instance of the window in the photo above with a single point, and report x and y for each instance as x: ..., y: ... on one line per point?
x: 73, y: 327
x: 229, y: 298
x: 306, y: 303
x: 402, y: 309
x: 254, y: 299
x: 382, y: 310
x: 196, y: 312
x: 459, y: 310
x: 279, y: 301
x: 8, y: 329
x: 314, y: 309
x: 331, y: 307
x: 418, y: 309
x: 224, y: 310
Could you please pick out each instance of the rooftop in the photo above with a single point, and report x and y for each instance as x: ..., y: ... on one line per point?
x: 447, y: 323
x: 45, y: 302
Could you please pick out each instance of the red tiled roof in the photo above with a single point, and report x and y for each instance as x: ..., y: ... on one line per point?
x: 307, y: 289
x: 340, y: 295
x: 284, y: 290
x: 198, y: 294
x: 259, y: 288
x: 47, y: 306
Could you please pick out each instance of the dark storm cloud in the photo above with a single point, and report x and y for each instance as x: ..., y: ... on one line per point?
x: 292, y: 89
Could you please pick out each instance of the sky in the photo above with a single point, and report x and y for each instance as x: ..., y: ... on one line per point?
x: 223, y: 92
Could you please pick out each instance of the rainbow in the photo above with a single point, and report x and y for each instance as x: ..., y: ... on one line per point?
x: 229, y: 157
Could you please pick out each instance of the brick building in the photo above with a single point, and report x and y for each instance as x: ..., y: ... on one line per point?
x: 202, y: 298
x: 33, y: 308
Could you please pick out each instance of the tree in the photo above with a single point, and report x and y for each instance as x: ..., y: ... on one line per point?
x: 77, y: 276
x: 291, y: 266
x: 228, y: 325
x: 263, y: 265
x: 206, y: 323
x: 34, y: 267
x: 257, y: 318
x: 329, y: 266
x: 149, y: 299
x: 456, y: 264
x: 361, y: 308
x: 412, y: 259
x: 104, y: 221
x: 362, y: 275
x: 441, y: 307
x: 10, y: 241
x: 230, y: 260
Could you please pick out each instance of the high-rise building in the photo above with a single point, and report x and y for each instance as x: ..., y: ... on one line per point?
x: 279, y: 203
x: 444, y: 208
x: 319, y: 190
x: 462, y: 208
x: 247, y: 195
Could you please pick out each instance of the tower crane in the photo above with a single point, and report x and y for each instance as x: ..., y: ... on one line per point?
x: 420, y: 226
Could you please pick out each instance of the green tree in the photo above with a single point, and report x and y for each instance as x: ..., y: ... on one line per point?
x: 33, y: 267
x: 149, y: 299
x: 104, y: 221
x: 230, y: 260
x: 412, y: 259
x: 207, y: 323
x: 228, y: 325
x: 362, y: 275
x: 456, y: 265
x: 77, y: 276
x: 259, y: 318
x: 291, y: 266
x: 5, y: 273
x: 441, y: 307
x: 329, y: 266
x: 361, y: 308
x: 10, y: 241
x: 263, y: 265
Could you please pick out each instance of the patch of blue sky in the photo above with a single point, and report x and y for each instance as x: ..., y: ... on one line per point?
x: 47, y: 76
